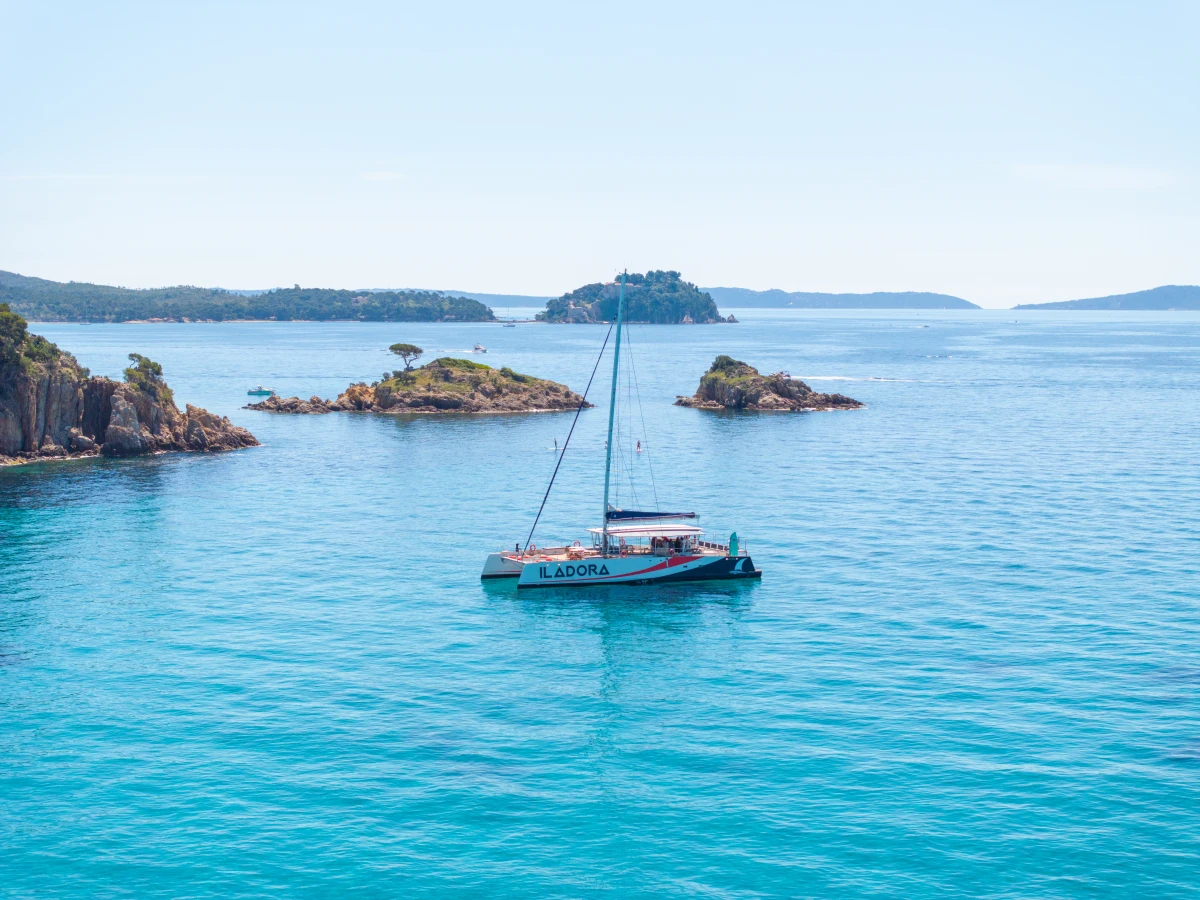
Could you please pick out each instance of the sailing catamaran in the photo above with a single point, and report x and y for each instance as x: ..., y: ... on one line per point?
x: 630, y: 546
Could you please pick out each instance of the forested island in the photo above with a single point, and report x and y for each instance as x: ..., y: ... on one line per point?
x: 1167, y: 297
x: 656, y: 298
x: 446, y: 385
x: 732, y: 384
x: 50, y: 406
x: 54, y: 301
x: 745, y: 298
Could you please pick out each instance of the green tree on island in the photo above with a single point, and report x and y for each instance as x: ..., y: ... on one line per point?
x: 146, y: 375
x: 20, y: 348
x: 410, y: 353
x: 12, y: 333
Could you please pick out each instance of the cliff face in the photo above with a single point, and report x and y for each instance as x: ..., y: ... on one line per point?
x: 50, y: 407
x: 444, y: 385
x: 38, y: 408
x: 731, y: 384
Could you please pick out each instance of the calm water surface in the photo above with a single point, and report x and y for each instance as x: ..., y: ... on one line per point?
x: 972, y: 666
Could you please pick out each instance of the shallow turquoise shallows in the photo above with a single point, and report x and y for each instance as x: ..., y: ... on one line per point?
x: 972, y: 666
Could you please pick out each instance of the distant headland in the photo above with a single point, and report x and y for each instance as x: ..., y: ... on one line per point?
x: 656, y: 298
x: 55, y: 301
x: 744, y: 298
x: 1167, y: 297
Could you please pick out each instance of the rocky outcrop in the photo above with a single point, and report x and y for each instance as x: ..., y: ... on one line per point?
x: 313, y: 406
x: 204, y: 431
x: 141, y: 423
x: 50, y: 407
x: 106, y: 417
x: 125, y: 434
x: 445, y: 385
x: 731, y: 384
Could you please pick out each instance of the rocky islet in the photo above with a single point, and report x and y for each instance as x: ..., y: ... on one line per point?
x: 732, y: 384
x: 446, y: 385
x: 50, y: 406
x: 657, y: 297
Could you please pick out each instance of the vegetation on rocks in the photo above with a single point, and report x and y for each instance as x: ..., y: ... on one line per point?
x: 21, y: 350
x: 146, y: 376
x: 732, y: 384
x: 658, y: 297
x: 445, y: 385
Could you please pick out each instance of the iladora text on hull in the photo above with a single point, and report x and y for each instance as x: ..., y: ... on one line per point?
x: 631, y: 546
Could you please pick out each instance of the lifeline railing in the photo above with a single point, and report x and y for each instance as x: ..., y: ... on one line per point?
x: 743, y: 550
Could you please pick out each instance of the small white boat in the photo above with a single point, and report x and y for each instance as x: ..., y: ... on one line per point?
x: 631, y: 546
x: 260, y: 391
x: 510, y: 324
x: 479, y: 348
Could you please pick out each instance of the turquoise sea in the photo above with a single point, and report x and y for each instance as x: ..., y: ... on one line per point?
x: 971, y: 668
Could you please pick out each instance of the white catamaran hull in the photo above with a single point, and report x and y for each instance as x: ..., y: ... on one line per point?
x: 636, y: 570
x: 503, y: 565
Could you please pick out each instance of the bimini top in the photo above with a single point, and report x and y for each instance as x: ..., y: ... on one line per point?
x: 616, y: 515
x: 666, y: 531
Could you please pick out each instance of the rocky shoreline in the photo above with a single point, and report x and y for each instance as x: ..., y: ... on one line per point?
x: 733, y: 385
x: 313, y: 406
x: 446, y: 385
x: 52, y: 408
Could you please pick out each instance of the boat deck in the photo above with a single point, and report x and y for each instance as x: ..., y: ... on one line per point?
x: 568, y: 554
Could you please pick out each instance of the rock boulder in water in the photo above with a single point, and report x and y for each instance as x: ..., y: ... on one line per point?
x: 313, y: 406
x: 731, y: 384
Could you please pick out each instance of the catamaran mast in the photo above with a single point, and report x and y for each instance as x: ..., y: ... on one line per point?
x: 612, y: 408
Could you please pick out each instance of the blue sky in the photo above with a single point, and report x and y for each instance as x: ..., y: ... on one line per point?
x: 1005, y: 153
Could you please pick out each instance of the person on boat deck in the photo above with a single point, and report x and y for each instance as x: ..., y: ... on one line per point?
x: 670, y: 547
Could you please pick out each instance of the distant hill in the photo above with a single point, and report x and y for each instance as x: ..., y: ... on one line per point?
x: 1169, y: 296
x: 493, y: 300
x: 496, y: 301
x: 657, y: 298
x: 741, y: 298
x: 53, y: 301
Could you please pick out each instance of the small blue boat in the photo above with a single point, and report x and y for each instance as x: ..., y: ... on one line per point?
x: 260, y: 391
